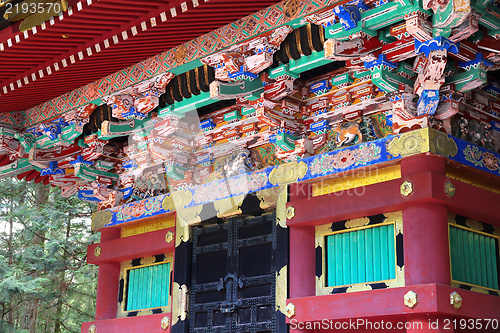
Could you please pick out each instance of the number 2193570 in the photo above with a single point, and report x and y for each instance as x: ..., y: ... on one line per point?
x: 33, y: 8
x: 472, y: 324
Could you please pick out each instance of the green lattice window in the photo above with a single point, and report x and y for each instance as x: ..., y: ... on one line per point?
x: 474, y: 257
x: 360, y: 256
x: 148, y: 287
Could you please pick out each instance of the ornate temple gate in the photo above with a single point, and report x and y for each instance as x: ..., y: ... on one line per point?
x: 234, y: 276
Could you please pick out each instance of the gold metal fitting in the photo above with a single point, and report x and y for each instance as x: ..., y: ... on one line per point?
x: 290, y: 310
x: 97, y: 251
x: 92, y: 329
x: 455, y: 300
x: 165, y: 322
x: 406, y: 188
x: 169, y: 237
x: 449, y: 189
x: 411, y: 299
x: 290, y: 212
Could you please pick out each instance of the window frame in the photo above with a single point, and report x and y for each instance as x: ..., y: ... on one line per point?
x: 474, y: 227
x: 325, y: 230
x: 144, y: 262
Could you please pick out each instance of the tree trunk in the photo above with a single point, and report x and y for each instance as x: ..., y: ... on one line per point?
x: 57, y: 326
x: 42, y: 196
x: 11, y: 261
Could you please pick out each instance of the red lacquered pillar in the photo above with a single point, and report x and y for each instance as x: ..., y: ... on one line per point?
x: 108, y: 280
x: 425, y: 235
x: 302, y: 253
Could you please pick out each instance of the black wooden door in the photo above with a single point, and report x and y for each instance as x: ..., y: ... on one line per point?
x: 233, y: 280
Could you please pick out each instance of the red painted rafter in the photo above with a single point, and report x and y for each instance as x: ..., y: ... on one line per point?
x: 104, y: 19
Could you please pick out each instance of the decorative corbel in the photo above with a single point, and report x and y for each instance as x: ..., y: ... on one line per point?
x: 137, y: 101
x: 431, y: 70
x: 237, y: 68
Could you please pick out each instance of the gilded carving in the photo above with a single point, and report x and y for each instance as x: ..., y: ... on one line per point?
x: 143, y: 228
x: 288, y: 173
x: 229, y: 206
x: 169, y: 237
x: 100, y: 219
x: 399, y: 281
x: 181, y: 54
x: 398, y: 221
x: 473, y: 224
x: 449, y: 189
x: 92, y: 329
x: 410, y: 143
x: 455, y: 300
x: 290, y: 310
x: 479, y: 290
x: 358, y: 287
x: 360, y: 222
x: 190, y: 215
x: 269, y: 197
x: 291, y: 8
x: 165, y: 323
x: 281, y: 207
x: 281, y: 289
x: 97, y: 251
x: 184, y: 301
x: 168, y: 203
x: 147, y: 260
x: 411, y: 299
x: 290, y: 212
x: 442, y: 144
x: 182, y: 233
x: 176, y: 302
x: 496, y: 231
x: 176, y: 200
x: 406, y: 188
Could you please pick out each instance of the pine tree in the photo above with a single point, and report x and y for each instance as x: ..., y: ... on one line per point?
x: 45, y: 285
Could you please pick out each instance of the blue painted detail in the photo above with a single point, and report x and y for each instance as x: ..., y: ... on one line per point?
x: 349, y: 16
x: 492, y: 89
x: 479, y: 59
x: 52, y: 170
x: 495, y: 125
x: 207, y: 125
x: 381, y: 61
x: 61, y: 122
x: 34, y: 130
x: 438, y: 43
x: 272, y: 138
x: 129, y: 164
x: 52, y: 130
x: 87, y: 195
x: 388, y: 118
x: 320, y: 87
x: 132, y: 113
x: 80, y: 160
x: 127, y: 192
x: 428, y: 102
x: 205, y: 159
x: 379, y: 3
x: 318, y: 166
x: 242, y: 74
x: 319, y: 126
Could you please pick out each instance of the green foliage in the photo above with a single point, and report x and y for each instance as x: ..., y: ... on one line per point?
x: 45, y: 284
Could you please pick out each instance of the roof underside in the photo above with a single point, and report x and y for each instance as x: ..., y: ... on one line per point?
x: 39, y: 67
